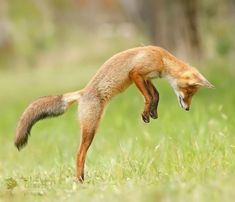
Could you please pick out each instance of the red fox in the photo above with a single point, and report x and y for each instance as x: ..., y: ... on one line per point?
x: 139, y: 66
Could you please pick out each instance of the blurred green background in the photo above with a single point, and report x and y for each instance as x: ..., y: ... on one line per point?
x: 49, y: 47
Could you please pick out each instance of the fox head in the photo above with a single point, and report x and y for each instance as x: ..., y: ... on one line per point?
x: 187, y: 84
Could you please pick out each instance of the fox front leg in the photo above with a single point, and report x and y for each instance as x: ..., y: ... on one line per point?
x: 155, y: 99
x: 143, y: 88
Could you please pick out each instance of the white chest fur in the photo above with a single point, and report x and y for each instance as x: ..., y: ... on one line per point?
x: 152, y: 75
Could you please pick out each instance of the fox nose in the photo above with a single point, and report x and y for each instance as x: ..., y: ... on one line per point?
x: 187, y: 109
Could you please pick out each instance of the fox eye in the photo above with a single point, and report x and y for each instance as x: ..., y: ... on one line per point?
x: 190, y: 94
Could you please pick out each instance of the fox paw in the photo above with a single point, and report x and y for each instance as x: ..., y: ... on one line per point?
x: 153, y: 114
x: 145, y: 117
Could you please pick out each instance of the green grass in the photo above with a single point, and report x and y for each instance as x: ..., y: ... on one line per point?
x: 182, y: 156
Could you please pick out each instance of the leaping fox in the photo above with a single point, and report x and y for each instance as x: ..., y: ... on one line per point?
x: 139, y: 66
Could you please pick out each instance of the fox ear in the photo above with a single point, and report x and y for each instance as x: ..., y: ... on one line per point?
x: 197, y: 79
x: 203, y: 82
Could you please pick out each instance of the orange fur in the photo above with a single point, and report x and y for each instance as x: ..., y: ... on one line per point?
x: 138, y: 65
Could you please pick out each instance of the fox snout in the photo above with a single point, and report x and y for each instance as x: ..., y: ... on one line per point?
x: 184, y: 102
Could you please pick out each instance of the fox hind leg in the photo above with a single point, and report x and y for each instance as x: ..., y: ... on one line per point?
x: 89, y: 116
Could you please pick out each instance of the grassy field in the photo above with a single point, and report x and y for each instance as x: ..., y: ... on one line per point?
x: 182, y: 156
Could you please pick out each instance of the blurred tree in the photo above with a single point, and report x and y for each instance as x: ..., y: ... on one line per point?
x: 94, y: 13
x: 185, y: 27
x: 231, y: 5
x: 6, y: 43
x: 190, y: 9
x: 172, y: 24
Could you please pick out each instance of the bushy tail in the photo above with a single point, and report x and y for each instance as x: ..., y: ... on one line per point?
x: 44, y: 107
